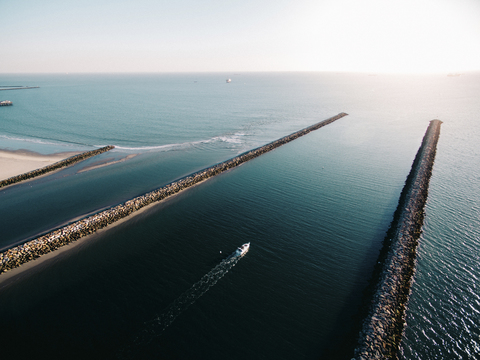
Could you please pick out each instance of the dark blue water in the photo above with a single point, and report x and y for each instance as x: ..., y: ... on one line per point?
x: 315, y: 212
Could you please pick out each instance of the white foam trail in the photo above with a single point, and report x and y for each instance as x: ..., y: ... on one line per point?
x: 181, y: 304
x: 155, y: 327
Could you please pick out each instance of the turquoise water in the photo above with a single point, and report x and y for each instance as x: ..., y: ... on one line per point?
x: 315, y: 211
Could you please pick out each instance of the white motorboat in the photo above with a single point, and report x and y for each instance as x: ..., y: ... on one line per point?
x: 242, y: 250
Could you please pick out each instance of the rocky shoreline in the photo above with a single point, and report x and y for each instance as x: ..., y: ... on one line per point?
x: 31, y: 250
x: 382, y: 328
x: 58, y: 165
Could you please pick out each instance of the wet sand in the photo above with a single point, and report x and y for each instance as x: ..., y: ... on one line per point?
x: 107, y: 162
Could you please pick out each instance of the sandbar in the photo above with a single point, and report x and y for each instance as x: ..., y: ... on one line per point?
x: 106, y: 162
x: 17, y: 162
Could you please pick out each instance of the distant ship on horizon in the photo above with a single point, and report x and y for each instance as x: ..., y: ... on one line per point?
x: 229, y: 80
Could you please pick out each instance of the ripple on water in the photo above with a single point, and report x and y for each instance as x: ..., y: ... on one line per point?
x: 444, y: 308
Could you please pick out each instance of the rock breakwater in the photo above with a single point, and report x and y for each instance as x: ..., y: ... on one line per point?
x: 17, y: 87
x: 21, y: 254
x: 383, y: 326
x: 58, y: 165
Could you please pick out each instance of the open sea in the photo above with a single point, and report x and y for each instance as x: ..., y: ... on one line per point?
x: 161, y: 284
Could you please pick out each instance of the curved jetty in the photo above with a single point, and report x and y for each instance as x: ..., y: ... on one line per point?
x: 21, y: 254
x: 58, y: 165
x: 383, y: 326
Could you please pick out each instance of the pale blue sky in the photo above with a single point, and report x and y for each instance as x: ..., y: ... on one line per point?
x: 231, y: 36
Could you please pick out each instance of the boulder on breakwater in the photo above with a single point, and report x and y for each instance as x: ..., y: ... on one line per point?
x: 58, y: 165
x: 21, y: 254
x: 382, y: 328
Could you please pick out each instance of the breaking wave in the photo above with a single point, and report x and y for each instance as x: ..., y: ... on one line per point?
x: 231, y: 139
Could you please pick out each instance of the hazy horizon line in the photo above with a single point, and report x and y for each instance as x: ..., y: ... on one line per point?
x: 239, y: 72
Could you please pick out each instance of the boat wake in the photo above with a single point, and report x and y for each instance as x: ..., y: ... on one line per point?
x: 155, y: 327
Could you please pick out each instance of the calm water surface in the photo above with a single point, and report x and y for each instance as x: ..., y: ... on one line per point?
x: 315, y: 212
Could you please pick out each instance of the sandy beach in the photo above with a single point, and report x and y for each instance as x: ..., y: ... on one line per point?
x: 18, y: 162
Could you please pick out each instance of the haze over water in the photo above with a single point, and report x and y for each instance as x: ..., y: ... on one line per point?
x: 315, y: 211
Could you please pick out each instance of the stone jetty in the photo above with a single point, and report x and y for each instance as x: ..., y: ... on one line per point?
x: 17, y: 87
x: 382, y: 328
x: 58, y: 165
x: 21, y: 254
